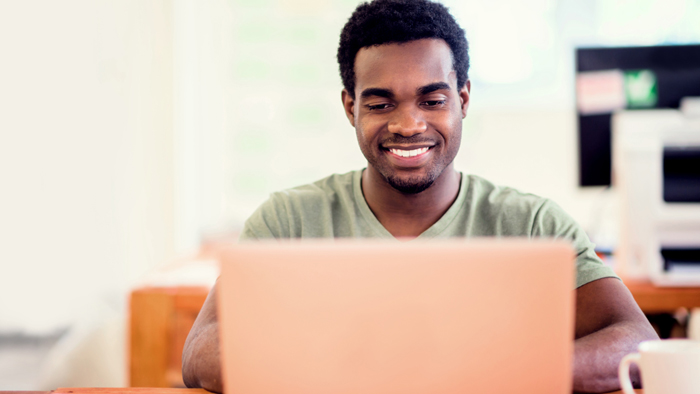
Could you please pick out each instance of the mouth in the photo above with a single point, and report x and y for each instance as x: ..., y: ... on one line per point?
x: 408, y: 157
x: 408, y: 152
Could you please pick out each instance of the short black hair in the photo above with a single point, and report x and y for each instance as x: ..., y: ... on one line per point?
x: 398, y: 21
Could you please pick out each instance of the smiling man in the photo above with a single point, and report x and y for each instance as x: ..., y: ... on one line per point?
x: 404, y: 66
x: 407, y: 108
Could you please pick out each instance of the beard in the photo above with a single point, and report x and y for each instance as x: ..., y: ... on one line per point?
x: 412, y: 184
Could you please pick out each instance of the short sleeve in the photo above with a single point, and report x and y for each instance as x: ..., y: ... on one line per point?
x: 551, y: 221
x: 270, y: 220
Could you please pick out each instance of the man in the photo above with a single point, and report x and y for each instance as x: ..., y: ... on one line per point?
x: 404, y: 68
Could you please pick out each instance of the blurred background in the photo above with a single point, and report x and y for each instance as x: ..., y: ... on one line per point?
x: 132, y: 132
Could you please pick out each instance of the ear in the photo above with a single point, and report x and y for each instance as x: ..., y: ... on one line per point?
x: 464, y: 97
x: 349, y: 105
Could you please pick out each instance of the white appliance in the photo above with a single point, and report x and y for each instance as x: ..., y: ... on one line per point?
x: 656, y: 171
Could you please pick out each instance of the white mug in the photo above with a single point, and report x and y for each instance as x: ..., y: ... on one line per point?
x: 667, y: 366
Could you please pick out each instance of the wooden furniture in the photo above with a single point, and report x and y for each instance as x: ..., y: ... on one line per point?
x: 653, y: 299
x: 161, y: 318
x: 144, y: 390
x: 125, y: 390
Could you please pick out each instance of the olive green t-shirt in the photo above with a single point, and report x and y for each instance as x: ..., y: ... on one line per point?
x: 335, y: 207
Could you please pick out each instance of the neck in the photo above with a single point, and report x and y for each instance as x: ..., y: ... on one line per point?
x: 409, y: 215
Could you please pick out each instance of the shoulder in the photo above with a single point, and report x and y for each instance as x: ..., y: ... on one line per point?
x: 538, y: 215
x: 489, y: 193
x: 502, y: 210
x: 281, y: 215
x: 329, y: 188
x: 301, y: 201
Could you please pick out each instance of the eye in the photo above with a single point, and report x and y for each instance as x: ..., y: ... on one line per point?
x: 378, y: 107
x: 434, y: 103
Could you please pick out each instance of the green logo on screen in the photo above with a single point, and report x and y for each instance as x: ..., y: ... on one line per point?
x: 641, y: 89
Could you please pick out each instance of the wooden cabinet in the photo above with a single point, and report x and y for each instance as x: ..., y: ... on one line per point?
x: 161, y: 318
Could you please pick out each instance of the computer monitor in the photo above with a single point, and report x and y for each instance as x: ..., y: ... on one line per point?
x: 615, y: 78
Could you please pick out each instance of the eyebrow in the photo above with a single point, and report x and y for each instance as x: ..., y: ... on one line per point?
x: 379, y: 92
x: 387, y: 93
x: 423, y: 90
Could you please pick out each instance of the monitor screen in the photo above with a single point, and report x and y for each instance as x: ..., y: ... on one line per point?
x: 611, y: 79
x: 681, y: 174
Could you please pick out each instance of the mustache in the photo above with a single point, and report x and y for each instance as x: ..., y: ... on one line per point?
x: 414, y: 139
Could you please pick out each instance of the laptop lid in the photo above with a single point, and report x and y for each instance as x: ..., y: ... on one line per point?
x: 484, y: 316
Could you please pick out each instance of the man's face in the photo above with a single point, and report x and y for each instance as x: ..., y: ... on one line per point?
x: 407, y: 111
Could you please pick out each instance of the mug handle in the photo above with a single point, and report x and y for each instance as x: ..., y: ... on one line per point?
x: 623, y: 371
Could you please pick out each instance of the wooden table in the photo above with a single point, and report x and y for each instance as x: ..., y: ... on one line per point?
x: 147, y: 390
x: 113, y: 390
x: 653, y: 299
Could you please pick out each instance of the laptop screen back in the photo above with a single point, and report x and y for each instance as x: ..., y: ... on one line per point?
x: 373, y: 317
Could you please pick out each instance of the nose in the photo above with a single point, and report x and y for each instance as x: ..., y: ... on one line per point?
x: 407, y: 121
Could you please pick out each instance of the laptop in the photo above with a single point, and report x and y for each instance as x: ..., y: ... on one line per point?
x: 371, y: 317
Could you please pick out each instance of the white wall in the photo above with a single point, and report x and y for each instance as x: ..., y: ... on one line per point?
x: 86, y: 158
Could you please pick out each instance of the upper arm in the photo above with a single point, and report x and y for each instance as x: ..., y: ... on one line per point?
x: 602, y: 303
x: 206, y: 318
x: 200, y: 356
x: 208, y: 312
x: 551, y: 221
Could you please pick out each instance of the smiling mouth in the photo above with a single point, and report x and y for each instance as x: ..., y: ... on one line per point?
x: 408, y: 153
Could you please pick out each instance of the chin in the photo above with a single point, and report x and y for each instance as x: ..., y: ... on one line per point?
x: 410, y: 185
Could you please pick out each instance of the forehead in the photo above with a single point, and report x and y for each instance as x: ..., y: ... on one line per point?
x: 406, y: 65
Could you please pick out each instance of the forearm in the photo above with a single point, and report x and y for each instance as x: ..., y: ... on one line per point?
x: 201, y: 365
x: 597, y: 356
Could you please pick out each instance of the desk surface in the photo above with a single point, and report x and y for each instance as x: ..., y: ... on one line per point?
x: 143, y: 390
x: 654, y: 299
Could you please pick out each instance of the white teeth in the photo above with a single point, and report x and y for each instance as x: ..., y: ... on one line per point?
x: 408, y: 153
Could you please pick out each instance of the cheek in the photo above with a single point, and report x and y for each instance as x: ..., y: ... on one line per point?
x: 363, y: 139
x: 457, y: 137
x: 366, y: 131
x: 360, y: 136
x: 450, y: 127
x: 453, y: 138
